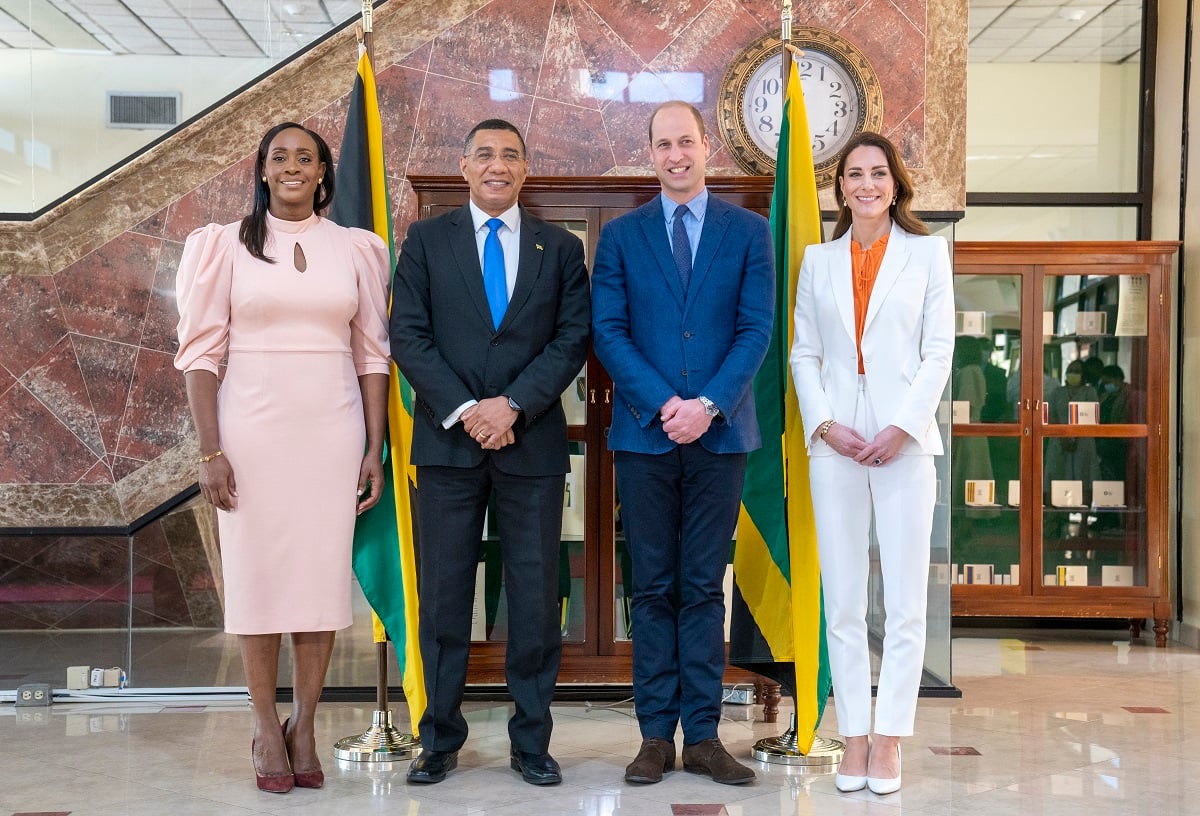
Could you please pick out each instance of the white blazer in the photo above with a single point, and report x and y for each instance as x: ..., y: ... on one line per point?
x: 907, y: 344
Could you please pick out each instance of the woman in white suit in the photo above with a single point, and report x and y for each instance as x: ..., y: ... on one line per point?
x: 874, y: 337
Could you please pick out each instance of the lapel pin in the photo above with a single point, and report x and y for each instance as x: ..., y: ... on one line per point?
x: 539, y: 246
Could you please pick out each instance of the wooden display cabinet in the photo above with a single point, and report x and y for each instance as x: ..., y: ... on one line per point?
x: 1060, y: 450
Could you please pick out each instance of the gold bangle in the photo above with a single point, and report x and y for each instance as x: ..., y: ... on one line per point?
x: 825, y: 426
x: 206, y: 459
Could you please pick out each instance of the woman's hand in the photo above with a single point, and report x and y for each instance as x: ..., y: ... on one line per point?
x: 883, y: 448
x: 844, y: 440
x: 217, y: 484
x: 370, y: 473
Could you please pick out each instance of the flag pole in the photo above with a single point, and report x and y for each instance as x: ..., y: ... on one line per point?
x: 825, y: 754
x: 382, y: 742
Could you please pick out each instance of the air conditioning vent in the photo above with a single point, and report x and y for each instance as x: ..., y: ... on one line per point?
x: 143, y: 110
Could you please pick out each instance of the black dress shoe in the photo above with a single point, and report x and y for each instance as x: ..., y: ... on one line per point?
x: 536, y: 769
x: 432, y: 766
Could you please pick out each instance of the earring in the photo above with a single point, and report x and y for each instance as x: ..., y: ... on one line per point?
x: 893, y: 201
x: 321, y: 179
x: 264, y: 178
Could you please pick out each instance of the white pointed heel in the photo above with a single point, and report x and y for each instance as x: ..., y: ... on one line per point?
x: 849, y: 784
x: 882, y: 787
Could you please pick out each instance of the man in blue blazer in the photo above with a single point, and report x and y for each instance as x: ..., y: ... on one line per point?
x: 682, y: 306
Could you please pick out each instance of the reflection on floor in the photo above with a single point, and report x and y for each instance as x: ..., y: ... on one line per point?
x: 1048, y: 724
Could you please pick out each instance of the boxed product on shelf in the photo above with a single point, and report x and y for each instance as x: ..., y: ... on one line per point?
x: 1014, y: 492
x: 978, y: 573
x: 970, y: 323
x: 1072, y: 575
x: 1108, y: 494
x: 1091, y: 323
x: 1083, y: 413
x: 980, y: 492
x: 1111, y: 575
x: 1066, y: 493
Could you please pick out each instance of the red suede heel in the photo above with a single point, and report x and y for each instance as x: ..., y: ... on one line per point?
x: 304, y: 779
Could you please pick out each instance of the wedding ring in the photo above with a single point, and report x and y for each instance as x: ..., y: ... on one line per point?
x: 878, y: 461
x: 481, y: 436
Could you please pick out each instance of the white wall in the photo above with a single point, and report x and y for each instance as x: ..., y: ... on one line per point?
x: 57, y: 100
x: 1037, y: 127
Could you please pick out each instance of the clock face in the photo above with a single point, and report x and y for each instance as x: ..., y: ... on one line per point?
x: 841, y: 96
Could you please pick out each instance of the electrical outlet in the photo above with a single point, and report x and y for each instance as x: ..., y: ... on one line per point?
x: 33, y: 694
x: 738, y: 695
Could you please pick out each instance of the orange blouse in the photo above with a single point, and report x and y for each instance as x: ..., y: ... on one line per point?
x: 864, y: 266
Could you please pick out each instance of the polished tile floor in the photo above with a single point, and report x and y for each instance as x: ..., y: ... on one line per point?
x: 1049, y: 723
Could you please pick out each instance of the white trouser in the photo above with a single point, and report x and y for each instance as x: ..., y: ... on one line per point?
x: 901, y: 494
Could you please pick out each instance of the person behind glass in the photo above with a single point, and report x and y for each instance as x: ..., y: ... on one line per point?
x: 490, y: 325
x: 683, y: 291
x: 299, y: 305
x: 874, y: 338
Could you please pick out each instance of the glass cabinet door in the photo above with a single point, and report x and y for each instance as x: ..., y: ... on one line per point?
x: 1095, y: 358
x: 986, y: 398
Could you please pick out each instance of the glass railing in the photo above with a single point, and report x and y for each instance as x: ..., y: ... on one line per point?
x: 89, y: 85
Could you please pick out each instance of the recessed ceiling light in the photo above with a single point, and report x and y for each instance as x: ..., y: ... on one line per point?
x: 1072, y: 14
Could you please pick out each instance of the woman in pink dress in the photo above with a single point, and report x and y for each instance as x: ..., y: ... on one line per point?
x: 291, y: 438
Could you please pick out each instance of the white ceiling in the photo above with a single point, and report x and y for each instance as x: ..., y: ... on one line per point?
x: 1000, y: 30
x: 1054, y: 30
x: 226, y: 28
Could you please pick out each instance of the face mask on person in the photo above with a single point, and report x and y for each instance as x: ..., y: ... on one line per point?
x: 1073, y: 380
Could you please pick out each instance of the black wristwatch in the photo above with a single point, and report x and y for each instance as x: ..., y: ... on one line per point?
x: 512, y: 403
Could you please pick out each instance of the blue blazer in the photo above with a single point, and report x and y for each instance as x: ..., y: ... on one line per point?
x: 656, y: 343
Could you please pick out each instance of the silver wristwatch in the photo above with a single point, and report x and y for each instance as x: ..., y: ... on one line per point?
x: 710, y: 407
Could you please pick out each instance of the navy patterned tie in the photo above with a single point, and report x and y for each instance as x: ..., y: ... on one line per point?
x: 681, y: 247
x: 495, y: 284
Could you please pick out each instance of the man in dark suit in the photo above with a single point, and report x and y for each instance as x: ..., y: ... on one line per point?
x: 682, y: 315
x: 489, y: 323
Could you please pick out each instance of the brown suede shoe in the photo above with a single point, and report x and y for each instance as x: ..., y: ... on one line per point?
x: 655, y: 757
x: 710, y: 757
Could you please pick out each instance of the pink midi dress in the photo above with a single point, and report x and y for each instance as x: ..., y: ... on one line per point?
x: 289, y: 407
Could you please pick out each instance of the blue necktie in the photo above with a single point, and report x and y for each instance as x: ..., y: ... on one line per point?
x: 681, y: 247
x: 495, y: 284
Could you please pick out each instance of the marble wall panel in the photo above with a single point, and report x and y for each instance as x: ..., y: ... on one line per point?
x: 31, y: 320
x: 36, y: 448
x: 107, y: 368
x: 156, y: 416
x: 58, y: 384
x: 105, y: 294
x: 585, y: 77
x: 158, y: 331
x: 501, y: 45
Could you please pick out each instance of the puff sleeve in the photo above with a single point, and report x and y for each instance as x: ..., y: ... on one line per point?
x: 369, y: 328
x: 202, y: 291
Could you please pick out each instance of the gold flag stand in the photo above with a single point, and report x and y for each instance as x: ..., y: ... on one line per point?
x: 823, y: 758
x: 382, y: 742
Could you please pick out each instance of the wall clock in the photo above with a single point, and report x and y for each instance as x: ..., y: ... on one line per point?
x: 841, y: 93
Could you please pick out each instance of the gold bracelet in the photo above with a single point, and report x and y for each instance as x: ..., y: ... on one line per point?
x: 825, y: 426
x: 206, y: 459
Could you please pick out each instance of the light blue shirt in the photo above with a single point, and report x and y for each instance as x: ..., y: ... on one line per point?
x: 693, y: 222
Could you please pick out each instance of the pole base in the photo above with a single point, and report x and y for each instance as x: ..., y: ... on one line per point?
x: 824, y: 756
x: 382, y: 742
